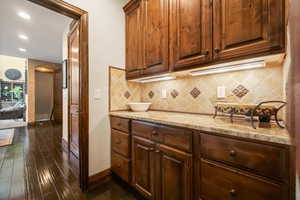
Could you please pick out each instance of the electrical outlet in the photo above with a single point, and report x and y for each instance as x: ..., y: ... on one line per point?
x: 163, y: 93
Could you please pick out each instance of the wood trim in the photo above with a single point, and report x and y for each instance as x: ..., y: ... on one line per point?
x: 99, y: 178
x: 84, y: 102
x: 61, y: 7
x: 76, y: 13
x: 31, y: 124
x: 65, y: 145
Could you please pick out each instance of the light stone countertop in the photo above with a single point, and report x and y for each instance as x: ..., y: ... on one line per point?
x: 220, y: 125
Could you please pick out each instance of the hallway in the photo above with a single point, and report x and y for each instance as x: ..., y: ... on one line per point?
x: 36, y: 167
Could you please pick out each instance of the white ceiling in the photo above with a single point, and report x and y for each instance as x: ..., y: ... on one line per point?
x: 44, y: 30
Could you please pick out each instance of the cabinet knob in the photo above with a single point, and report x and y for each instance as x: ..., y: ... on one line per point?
x: 232, y: 153
x: 154, y: 132
x: 206, y: 53
x: 119, y: 124
x: 157, y: 151
x: 232, y: 192
x: 151, y: 149
x: 217, y: 50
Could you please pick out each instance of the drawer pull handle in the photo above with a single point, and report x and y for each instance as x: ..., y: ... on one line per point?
x: 151, y: 149
x: 217, y: 51
x: 232, y: 153
x: 119, y: 142
x: 232, y: 192
x: 154, y: 132
x: 119, y: 124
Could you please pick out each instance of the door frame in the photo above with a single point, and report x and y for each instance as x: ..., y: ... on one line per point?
x: 76, y: 13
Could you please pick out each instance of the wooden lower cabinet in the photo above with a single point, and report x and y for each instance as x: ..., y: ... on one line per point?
x: 224, y: 183
x: 174, y: 174
x: 161, y: 172
x: 171, y: 163
x: 143, y: 166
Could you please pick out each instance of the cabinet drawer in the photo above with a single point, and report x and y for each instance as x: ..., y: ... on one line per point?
x: 120, y: 124
x: 143, y: 129
x: 120, y: 166
x: 120, y: 142
x: 179, y: 138
x: 262, y: 159
x: 221, y: 183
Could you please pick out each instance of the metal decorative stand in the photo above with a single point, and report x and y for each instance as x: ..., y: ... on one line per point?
x: 261, y: 110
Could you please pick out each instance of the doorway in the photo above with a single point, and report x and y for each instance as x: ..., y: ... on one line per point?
x: 82, y: 109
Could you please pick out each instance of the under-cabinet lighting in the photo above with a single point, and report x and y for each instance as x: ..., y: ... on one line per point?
x: 158, y: 78
x: 23, y: 37
x: 22, y: 50
x: 229, y: 68
x: 24, y: 15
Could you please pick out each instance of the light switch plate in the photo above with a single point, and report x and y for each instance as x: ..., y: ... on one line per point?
x: 97, y: 94
x: 221, y: 92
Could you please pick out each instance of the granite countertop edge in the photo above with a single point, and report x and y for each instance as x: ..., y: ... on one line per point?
x: 279, y: 139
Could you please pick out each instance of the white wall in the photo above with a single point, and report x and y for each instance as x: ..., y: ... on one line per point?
x: 65, y: 94
x: 106, y: 47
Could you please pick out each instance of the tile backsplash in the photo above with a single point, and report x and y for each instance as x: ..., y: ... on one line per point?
x: 121, y: 91
x: 197, y: 94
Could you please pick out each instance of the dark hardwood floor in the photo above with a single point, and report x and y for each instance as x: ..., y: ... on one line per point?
x: 36, y: 168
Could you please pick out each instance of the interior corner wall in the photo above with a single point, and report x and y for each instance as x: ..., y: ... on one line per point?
x: 106, y: 47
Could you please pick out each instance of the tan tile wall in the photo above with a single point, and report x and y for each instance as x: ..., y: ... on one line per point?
x: 122, y: 91
x: 262, y: 85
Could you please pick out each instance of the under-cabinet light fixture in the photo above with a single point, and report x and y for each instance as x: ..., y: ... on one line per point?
x: 22, y: 50
x: 24, y: 15
x: 157, y: 78
x: 23, y: 37
x: 229, y: 68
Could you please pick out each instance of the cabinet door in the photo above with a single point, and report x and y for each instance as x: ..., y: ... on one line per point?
x: 190, y: 33
x: 247, y: 27
x: 155, y: 36
x: 133, y: 40
x: 174, y: 174
x: 143, y: 166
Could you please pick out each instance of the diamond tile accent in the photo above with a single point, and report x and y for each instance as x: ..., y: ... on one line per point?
x: 240, y: 91
x: 151, y: 94
x: 195, y: 93
x: 174, y: 93
x: 127, y: 95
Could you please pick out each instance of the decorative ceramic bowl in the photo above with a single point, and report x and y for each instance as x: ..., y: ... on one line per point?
x: 139, y: 106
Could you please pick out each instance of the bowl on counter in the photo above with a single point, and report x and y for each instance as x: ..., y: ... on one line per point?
x: 139, y: 106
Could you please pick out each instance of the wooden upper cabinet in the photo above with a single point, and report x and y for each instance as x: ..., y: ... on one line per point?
x: 171, y: 35
x: 247, y: 27
x: 155, y: 36
x: 190, y: 33
x: 133, y: 38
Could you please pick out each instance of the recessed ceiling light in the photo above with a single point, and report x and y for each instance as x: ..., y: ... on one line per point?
x: 24, y: 15
x: 22, y: 49
x: 23, y: 37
